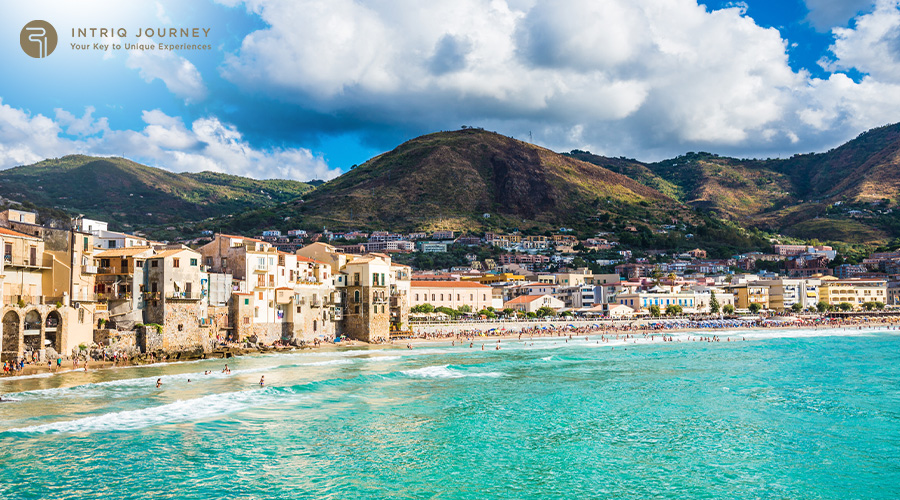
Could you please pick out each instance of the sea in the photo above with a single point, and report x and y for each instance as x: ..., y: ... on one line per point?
x: 758, y: 414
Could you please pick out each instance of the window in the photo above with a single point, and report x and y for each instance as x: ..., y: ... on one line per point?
x: 139, y: 263
x: 180, y: 327
x: 85, y: 244
x: 187, y: 289
x: 417, y: 297
x: 176, y: 262
x: 154, y: 263
x: 442, y: 297
x: 246, y: 301
x: 111, y: 244
x: 224, y: 262
x: 103, y: 262
x: 193, y: 262
x: 124, y: 264
x: 208, y: 261
x: 259, y: 295
x: 153, y: 287
x: 356, y: 296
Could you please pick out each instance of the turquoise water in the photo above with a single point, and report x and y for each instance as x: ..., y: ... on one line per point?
x: 804, y: 414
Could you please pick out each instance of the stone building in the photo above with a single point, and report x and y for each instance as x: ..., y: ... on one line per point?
x: 176, y: 300
x: 121, y: 283
x: 366, y: 296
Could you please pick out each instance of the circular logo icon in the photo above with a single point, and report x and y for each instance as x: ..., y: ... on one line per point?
x: 38, y: 39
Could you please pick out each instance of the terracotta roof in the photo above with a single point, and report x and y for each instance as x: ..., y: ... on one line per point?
x: 10, y: 232
x: 301, y: 258
x: 171, y: 252
x: 122, y: 252
x: 447, y: 284
x: 524, y: 299
x: 240, y: 237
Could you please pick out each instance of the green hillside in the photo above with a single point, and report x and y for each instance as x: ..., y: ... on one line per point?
x: 131, y: 195
x: 470, y: 180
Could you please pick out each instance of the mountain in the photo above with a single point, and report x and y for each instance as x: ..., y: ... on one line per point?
x: 471, y: 179
x: 131, y: 195
x: 846, y: 194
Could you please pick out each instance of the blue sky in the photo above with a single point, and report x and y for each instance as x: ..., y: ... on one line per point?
x: 304, y: 89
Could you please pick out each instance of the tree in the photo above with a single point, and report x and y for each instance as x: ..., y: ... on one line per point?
x: 422, y: 308
x: 728, y: 309
x: 673, y: 310
x: 868, y: 306
x: 531, y: 315
x: 796, y: 308
x: 754, y: 307
x: 465, y: 308
x: 845, y: 306
x: 453, y: 313
x: 509, y: 311
x: 713, y: 303
x: 487, y: 313
x: 546, y: 311
x: 654, y: 311
x: 879, y: 305
x: 823, y: 306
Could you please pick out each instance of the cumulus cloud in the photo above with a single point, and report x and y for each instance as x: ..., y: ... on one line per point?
x: 826, y: 14
x: 668, y: 73
x: 647, y: 78
x: 871, y: 47
x: 181, y: 77
x: 165, y: 141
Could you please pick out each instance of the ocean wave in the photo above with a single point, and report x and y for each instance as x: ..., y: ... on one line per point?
x: 178, y: 412
x: 446, y: 371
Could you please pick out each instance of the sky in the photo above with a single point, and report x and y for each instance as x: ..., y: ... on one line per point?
x: 304, y: 89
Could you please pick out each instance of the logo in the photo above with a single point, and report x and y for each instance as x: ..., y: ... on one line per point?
x: 38, y: 39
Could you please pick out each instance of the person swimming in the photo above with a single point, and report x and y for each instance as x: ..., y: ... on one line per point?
x: 158, y: 383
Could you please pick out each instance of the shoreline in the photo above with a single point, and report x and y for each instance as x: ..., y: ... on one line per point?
x: 470, y: 335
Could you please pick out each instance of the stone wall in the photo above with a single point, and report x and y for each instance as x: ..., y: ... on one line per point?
x: 182, y: 330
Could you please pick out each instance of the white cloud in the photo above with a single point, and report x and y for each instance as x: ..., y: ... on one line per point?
x: 165, y: 141
x: 826, y: 14
x: 161, y: 14
x: 872, y: 46
x: 670, y: 70
x: 180, y: 75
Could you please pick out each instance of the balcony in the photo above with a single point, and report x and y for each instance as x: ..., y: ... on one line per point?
x: 182, y: 296
x: 89, y: 269
x: 151, y: 295
x: 114, y: 296
x: 37, y: 263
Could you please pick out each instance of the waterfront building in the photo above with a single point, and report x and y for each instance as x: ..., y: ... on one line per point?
x: 855, y: 291
x: 452, y: 294
x: 531, y: 303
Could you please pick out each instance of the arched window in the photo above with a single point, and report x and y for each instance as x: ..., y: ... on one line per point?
x: 356, y: 296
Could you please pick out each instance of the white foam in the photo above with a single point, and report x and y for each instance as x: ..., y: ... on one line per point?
x: 180, y: 411
x: 444, y: 371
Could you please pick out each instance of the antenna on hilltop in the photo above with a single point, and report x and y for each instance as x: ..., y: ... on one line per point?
x: 530, y: 139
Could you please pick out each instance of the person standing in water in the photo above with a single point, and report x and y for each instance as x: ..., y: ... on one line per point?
x: 158, y: 383
x: 262, y: 381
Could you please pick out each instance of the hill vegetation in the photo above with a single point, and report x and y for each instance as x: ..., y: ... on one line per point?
x: 131, y: 195
x: 470, y: 180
